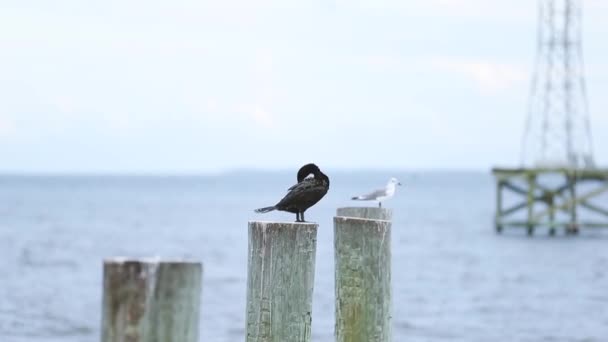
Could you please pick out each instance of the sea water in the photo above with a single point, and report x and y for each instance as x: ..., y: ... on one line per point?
x: 454, y: 278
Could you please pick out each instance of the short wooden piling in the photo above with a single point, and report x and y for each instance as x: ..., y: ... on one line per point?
x: 371, y: 213
x: 280, y: 280
x: 363, y: 279
x: 151, y: 301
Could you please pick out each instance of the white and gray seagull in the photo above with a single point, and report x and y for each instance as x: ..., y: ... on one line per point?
x: 380, y: 194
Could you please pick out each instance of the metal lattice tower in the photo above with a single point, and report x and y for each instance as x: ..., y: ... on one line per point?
x: 558, y: 132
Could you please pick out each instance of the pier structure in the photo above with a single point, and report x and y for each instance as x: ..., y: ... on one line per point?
x: 558, y: 180
x: 557, y: 205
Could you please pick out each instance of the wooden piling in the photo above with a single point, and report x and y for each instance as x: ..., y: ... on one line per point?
x: 531, y: 201
x: 151, y: 301
x: 499, y: 212
x: 280, y: 280
x: 371, y: 213
x: 573, y: 226
x: 363, y: 279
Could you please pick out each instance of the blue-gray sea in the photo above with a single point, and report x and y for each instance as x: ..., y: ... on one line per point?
x: 454, y: 278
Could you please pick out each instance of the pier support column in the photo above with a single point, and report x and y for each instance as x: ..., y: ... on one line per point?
x: 151, y: 301
x: 498, y: 218
x: 531, y: 201
x: 280, y: 279
x: 549, y: 199
x: 363, y: 279
x: 573, y: 226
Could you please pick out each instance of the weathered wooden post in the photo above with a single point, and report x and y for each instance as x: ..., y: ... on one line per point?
x: 280, y: 280
x: 363, y: 279
x: 151, y: 301
x: 371, y: 213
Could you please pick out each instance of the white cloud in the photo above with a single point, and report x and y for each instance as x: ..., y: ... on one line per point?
x: 593, y: 5
x: 511, y: 10
x: 65, y: 104
x: 262, y: 117
x: 490, y: 77
x: 7, y: 127
x: 381, y: 62
x: 392, y: 63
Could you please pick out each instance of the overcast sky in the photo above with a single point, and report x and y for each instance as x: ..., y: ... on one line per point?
x: 201, y: 86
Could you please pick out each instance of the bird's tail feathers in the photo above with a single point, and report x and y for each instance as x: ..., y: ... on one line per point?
x: 265, y: 210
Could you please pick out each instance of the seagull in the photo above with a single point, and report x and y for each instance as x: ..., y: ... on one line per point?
x: 303, y: 195
x: 380, y: 194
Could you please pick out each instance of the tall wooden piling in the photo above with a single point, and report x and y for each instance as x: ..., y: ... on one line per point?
x: 151, y: 301
x: 363, y: 279
x: 280, y: 280
x: 371, y: 213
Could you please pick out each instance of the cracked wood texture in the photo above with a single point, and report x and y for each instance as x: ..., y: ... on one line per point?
x: 280, y: 280
x: 362, y: 250
x: 151, y: 301
x: 374, y: 213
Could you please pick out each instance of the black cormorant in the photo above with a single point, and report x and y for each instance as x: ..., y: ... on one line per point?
x: 303, y: 195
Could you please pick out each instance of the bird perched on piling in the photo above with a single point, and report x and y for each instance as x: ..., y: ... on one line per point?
x: 303, y: 195
x: 380, y: 194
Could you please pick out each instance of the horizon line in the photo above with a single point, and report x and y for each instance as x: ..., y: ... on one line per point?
x: 221, y: 172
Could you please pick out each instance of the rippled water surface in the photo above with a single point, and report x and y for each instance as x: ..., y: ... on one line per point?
x: 454, y: 279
